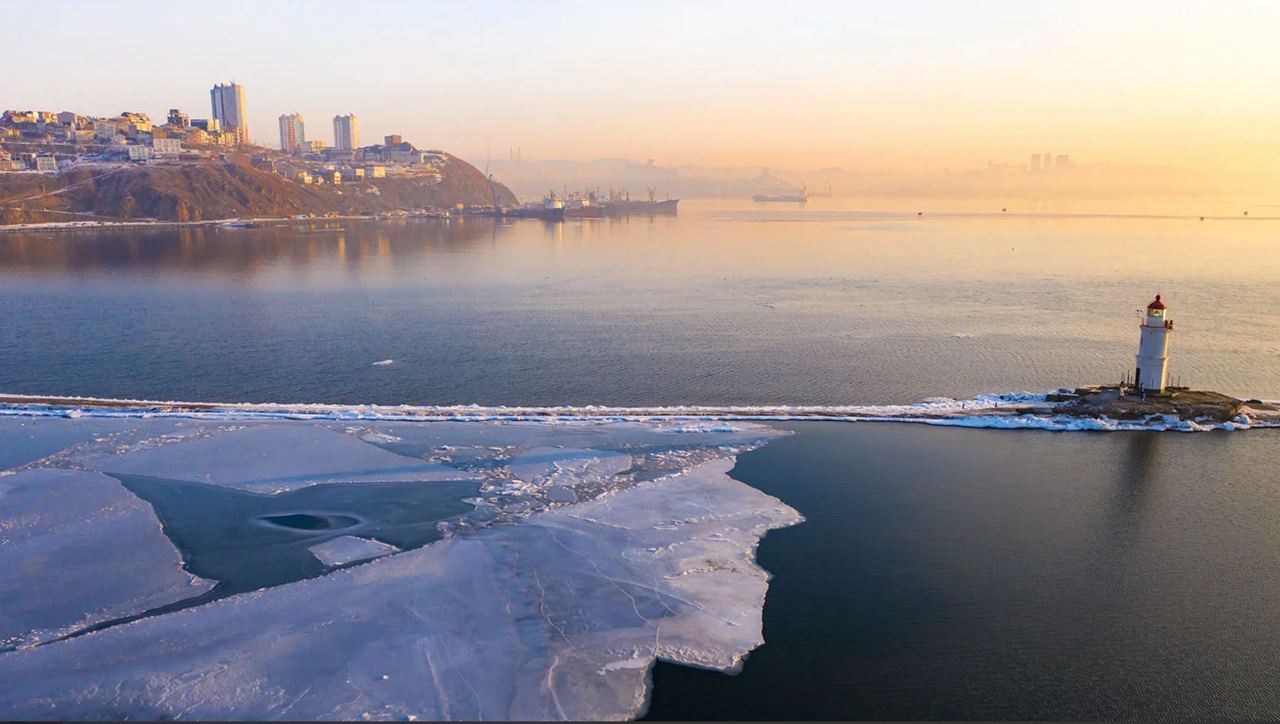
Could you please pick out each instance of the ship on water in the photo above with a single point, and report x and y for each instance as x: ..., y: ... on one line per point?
x: 800, y: 198
x: 590, y: 205
x: 620, y: 204
x: 551, y: 208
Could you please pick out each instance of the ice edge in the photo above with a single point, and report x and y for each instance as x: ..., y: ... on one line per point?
x: 1004, y: 411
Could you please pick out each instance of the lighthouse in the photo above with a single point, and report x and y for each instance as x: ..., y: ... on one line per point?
x: 1153, y: 348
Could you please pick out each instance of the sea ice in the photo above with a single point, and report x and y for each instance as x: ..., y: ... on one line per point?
x: 549, y: 468
x: 28, y: 439
x: 273, y: 456
x: 349, y: 549
x: 77, y: 548
x: 557, y: 615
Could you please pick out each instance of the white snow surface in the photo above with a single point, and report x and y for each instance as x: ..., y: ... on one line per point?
x: 77, y: 548
x: 557, y: 616
x: 350, y: 549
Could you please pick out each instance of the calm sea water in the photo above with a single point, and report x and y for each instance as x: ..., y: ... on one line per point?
x: 843, y: 301
x: 971, y: 574
x: 941, y: 573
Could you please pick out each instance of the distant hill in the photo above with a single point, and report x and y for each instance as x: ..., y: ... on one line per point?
x: 228, y: 188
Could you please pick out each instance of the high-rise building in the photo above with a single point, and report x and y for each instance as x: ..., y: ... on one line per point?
x: 229, y: 110
x: 1048, y: 162
x: 292, y: 135
x: 1064, y: 162
x: 346, y: 132
x: 1035, y: 163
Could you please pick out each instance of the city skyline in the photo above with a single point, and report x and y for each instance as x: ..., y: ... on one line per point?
x: 1140, y: 84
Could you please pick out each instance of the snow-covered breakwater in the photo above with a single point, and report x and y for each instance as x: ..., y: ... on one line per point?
x: 593, y: 549
x: 1014, y: 410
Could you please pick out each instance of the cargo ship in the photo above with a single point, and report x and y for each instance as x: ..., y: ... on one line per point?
x: 550, y: 209
x: 800, y: 198
x: 577, y: 206
x: 621, y: 204
x: 589, y: 206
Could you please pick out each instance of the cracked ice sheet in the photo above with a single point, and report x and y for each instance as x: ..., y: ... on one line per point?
x: 558, y: 616
x: 61, y: 573
x: 417, y: 439
x: 275, y: 456
x: 28, y: 439
x: 560, y: 471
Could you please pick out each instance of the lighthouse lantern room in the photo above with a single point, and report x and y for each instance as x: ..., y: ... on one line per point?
x: 1153, y: 348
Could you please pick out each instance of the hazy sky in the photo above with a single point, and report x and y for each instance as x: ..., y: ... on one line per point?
x: 912, y: 85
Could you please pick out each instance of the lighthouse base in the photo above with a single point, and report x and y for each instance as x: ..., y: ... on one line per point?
x: 1124, y: 403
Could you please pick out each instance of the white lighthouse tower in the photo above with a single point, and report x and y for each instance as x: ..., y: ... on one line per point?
x: 1153, y: 348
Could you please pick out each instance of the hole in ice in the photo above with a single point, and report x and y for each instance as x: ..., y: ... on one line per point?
x: 309, y: 521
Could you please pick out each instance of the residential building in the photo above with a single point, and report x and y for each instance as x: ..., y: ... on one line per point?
x: 229, y: 109
x: 166, y: 146
x: 178, y: 119
x: 393, y: 139
x: 346, y: 132
x: 46, y: 163
x: 138, y: 152
x: 104, y: 129
x: 292, y: 134
x: 208, y: 125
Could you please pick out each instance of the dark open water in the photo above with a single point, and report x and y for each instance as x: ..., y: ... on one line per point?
x: 942, y: 573
x: 966, y: 574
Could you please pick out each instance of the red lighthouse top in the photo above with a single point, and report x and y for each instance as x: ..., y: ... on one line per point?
x: 1157, y: 304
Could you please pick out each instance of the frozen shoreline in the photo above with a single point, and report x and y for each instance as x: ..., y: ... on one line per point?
x: 592, y: 550
x: 1004, y: 411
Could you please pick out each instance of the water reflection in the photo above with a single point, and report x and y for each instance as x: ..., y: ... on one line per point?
x: 1134, y: 485
x: 240, y: 251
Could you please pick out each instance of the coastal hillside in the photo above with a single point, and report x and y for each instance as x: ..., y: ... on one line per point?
x: 229, y: 187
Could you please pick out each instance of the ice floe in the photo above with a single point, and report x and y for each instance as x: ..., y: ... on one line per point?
x: 249, y: 458
x: 555, y: 614
x: 350, y: 549
x: 76, y: 549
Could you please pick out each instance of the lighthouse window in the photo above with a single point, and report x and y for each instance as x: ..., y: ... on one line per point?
x: 1157, y: 312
